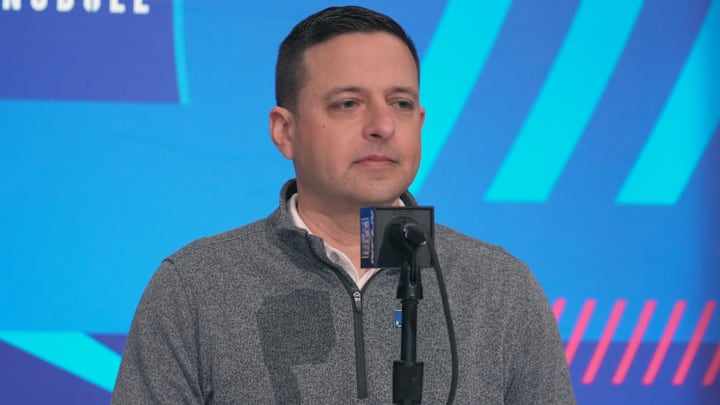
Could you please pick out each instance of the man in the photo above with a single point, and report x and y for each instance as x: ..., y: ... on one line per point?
x: 279, y: 311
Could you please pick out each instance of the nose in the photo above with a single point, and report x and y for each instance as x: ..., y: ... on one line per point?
x: 380, y: 123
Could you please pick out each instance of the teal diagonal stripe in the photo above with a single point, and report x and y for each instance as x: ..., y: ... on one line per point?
x: 585, y: 64
x: 450, y: 69
x: 74, y: 352
x: 180, y: 61
x: 685, y: 127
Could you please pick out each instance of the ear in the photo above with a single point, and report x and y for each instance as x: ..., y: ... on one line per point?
x: 282, y: 125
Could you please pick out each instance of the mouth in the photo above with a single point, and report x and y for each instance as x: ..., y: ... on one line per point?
x: 376, y: 157
x: 376, y: 160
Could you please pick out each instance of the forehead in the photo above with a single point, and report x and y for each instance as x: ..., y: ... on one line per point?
x: 354, y: 58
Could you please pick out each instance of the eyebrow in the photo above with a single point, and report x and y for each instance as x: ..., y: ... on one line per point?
x: 407, y: 90
x: 344, y: 89
x: 355, y: 89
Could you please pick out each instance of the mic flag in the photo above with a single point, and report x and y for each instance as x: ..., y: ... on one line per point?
x: 381, y: 227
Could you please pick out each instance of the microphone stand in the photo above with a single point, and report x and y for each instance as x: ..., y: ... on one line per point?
x: 408, y: 373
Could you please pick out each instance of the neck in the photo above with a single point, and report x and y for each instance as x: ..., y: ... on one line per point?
x: 338, y: 225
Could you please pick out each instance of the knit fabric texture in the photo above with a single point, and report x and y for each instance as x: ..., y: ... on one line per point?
x: 260, y: 315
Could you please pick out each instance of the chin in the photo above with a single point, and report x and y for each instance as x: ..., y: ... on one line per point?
x: 380, y: 198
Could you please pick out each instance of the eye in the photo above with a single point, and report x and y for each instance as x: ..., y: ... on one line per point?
x: 405, y: 105
x: 346, y: 104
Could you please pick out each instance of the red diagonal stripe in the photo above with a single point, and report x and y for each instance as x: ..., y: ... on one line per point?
x: 579, y: 330
x: 635, y: 341
x: 712, y: 371
x: 558, y: 308
x: 664, y: 344
x: 694, y: 345
x: 604, y: 343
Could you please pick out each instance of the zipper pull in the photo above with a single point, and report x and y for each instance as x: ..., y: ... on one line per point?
x: 357, y: 297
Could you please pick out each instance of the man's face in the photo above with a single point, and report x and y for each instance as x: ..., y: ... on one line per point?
x: 355, y: 135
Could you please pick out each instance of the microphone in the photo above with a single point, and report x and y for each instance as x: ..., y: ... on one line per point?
x: 404, y: 237
x: 388, y: 234
x: 407, y: 234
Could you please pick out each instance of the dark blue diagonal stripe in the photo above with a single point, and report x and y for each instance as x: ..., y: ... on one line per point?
x: 634, y: 99
x: 450, y: 69
x: 74, y: 352
x: 502, y: 98
x: 584, y: 66
x: 685, y: 127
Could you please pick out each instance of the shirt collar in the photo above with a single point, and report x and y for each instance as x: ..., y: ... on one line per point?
x: 336, y: 256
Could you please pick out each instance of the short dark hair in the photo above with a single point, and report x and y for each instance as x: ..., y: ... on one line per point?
x: 320, y: 27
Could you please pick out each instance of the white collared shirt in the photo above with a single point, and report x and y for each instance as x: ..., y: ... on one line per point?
x: 333, y: 254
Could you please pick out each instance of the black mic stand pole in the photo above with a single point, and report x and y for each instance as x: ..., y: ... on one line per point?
x: 408, y: 373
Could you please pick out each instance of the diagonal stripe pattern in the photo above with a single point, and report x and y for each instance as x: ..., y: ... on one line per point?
x: 88, y: 359
x: 180, y: 61
x: 74, y: 352
x: 695, y: 341
x: 577, y: 81
x: 449, y: 71
x: 604, y: 343
x: 685, y: 126
x: 635, y: 341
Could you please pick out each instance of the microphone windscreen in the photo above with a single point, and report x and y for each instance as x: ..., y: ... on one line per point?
x: 377, y: 249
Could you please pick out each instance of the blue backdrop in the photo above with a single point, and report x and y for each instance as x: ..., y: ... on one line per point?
x: 580, y: 135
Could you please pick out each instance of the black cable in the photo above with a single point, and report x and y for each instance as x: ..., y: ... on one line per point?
x: 410, y: 238
x: 448, y: 319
